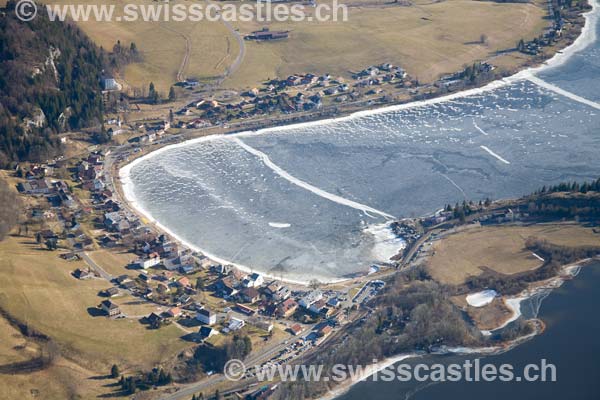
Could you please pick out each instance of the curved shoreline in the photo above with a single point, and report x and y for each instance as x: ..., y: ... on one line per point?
x: 566, y: 272
x: 585, y: 38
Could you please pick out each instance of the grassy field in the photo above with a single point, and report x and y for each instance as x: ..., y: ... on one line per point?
x: 114, y: 261
x: 163, y: 45
x: 502, y: 249
x: 54, y: 382
x: 36, y: 287
x: 426, y: 38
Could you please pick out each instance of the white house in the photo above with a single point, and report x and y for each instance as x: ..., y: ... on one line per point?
x: 146, y: 263
x: 206, y: 316
x: 236, y: 324
x: 310, y: 298
x: 253, y: 280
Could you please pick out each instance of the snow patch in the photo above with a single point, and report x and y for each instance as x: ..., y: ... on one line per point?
x: 482, y: 298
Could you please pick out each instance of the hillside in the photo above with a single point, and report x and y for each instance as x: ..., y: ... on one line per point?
x: 49, y: 83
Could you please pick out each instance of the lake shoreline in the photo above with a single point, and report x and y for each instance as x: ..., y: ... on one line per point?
x: 567, y: 272
x: 123, y: 184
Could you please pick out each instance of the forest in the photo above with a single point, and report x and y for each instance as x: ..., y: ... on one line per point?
x: 49, y: 83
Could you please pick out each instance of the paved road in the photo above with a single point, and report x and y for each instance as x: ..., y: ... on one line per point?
x: 186, y: 392
x: 95, y: 266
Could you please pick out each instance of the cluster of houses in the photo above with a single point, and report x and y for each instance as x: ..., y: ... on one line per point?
x: 272, y: 299
x: 466, y: 76
x: 152, y: 131
x: 295, y: 93
x: 379, y: 74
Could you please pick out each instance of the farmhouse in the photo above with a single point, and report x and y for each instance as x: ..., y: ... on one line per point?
x: 250, y: 295
x: 174, y: 312
x: 266, y: 34
x: 286, y: 308
x: 82, y: 274
x: 111, y: 292
x: 206, y: 332
x: 110, y: 308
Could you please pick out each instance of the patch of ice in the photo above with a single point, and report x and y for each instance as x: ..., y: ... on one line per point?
x: 482, y: 298
x: 279, y: 225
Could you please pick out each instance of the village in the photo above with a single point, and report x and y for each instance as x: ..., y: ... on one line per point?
x: 75, y: 202
x: 159, y: 283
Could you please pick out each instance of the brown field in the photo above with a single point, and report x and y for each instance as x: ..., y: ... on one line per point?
x: 502, y: 249
x: 113, y: 261
x: 163, y: 45
x: 427, y: 38
x: 54, y: 382
x: 490, y: 316
x: 37, y: 288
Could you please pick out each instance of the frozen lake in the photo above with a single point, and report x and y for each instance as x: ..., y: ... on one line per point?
x: 312, y: 201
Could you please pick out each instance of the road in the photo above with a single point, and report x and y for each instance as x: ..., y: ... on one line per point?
x: 186, y: 56
x: 99, y: 270
x: 260, y: 358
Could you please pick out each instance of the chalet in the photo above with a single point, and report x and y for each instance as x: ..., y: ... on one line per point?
x: 272, y: 288
x: 184, y: 300
x: 166, y: 276
x: 324, y: 330
x: 253, y: 280
x: 295, y: 329
x: 121, y: 278
x: 188, y: 269
x: 154, y: 319
x: 110, y: 308
x: 82, y: 274
x: 250, y: 295
x: 310, y: 298
x: 111, y: 221
x: 128, y: 284
x: 333, y: 302
x: 286, y: 308
x: 317, y: 306
x: 93, y: 185
x: 71, y: 256
x: 235, y: 324
x: 206, y: 331
x: 266, y: 34
x: 206, y: 316
x: 111, y: 292
x: 226, y: 286
x: 108, y: 242
x: 183, y: 282
x: 174, y: 312
x: 278, y: 293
